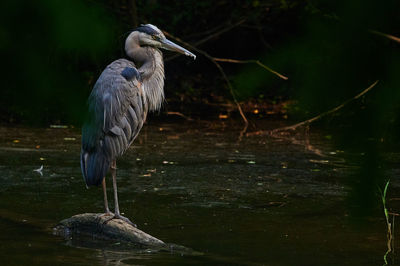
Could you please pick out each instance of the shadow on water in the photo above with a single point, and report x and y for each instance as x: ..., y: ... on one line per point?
x: 257, y: 201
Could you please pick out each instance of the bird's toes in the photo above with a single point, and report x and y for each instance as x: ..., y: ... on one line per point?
x: 106, y: 217
x: 118, y: 216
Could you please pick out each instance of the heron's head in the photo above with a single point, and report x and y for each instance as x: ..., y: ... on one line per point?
x: 150, y: 35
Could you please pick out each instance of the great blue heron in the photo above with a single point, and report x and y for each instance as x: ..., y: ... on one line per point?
x: 119, y: 103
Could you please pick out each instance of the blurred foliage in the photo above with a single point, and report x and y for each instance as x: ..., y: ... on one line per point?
x: 50, y: 49
x: 53, y: 52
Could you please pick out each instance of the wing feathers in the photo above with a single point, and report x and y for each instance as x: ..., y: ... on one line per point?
x: 127, y: 128
x: 115, y: 118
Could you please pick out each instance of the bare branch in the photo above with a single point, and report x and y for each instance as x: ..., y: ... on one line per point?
x: 391, y: 37
x: 220, y: 32
x: 181, y: 115
x: 315, y: 118
x: 206, y: 32
x: 251, y: 61
x: 306, y: 143
x: 207, y: 38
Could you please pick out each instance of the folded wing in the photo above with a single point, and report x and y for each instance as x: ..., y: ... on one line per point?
x: 116, y: 114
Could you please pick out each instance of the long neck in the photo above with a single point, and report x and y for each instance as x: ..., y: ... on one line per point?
x: 151, y: 70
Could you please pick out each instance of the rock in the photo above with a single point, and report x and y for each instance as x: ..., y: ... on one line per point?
x: 93, y: 224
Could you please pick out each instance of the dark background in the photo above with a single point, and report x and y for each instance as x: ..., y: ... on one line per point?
x: 53, y: 51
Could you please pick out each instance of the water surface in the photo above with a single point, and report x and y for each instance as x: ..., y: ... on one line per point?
x: 258, y: 201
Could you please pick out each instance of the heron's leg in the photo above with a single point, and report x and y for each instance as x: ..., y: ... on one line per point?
x: 114, y: 177
x: 106, y: 209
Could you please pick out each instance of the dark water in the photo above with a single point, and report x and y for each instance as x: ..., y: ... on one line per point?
x: 260, y: 201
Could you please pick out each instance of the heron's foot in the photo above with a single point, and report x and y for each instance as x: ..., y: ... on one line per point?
x: 109, y: 216
x: 108, y: 213
x: 118, y: 216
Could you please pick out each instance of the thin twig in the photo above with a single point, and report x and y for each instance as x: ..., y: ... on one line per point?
x: 315, y: 118
x: 305, y: 143
x: 391, y: 37
x: 206, y: 38
x: 206, y: 32
x: 211, y: 36
x: 181, y: 115
x: 228, y: 60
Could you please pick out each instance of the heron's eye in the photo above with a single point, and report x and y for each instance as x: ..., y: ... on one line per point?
x: 154, y: 37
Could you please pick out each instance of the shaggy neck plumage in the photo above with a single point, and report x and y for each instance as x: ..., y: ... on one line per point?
x: 151, y: 70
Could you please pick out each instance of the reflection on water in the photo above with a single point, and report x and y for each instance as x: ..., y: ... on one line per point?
x: 258, y: 201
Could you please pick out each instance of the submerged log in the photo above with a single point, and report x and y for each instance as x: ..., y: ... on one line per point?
x: 96, y: 225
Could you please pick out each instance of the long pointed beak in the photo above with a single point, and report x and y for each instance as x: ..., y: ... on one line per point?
x: 168, y: 45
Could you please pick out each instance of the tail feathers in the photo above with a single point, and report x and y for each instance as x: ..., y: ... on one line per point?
x: 94, y: 167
